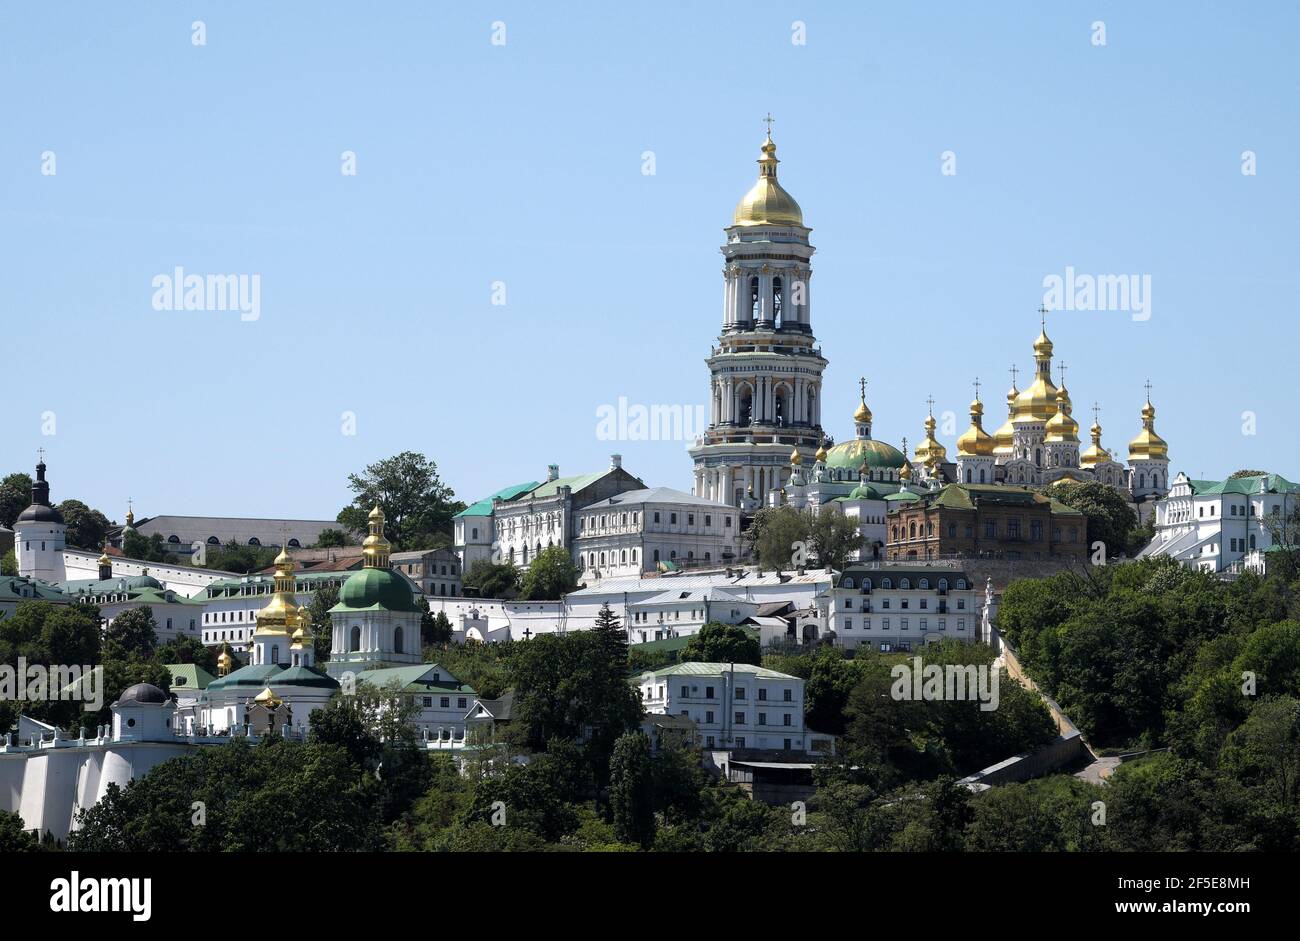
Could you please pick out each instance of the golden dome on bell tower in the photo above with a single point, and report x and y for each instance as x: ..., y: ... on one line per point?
x: 1003, y: 437
x: 1038, y: 402
x: 767, y: 202
x: 1062, y: 427
x: 1094, y: 454
x: 281, y: 614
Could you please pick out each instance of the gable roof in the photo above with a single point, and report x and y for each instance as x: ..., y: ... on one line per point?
x: 416, y: 679
x: 656, y: 495
x: 484, y: 507
x: 696, y: 668
x: 189, y: 676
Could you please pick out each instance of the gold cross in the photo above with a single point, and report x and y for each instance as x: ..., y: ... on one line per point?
x: 1013, y: 374
x: 1148, y: 388
x: 1042, y: 316
x: 768, y: 120
x: 976, y: 384
x: 930, y: 402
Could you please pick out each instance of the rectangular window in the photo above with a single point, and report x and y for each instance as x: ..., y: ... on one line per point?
x: 787, y: 719
x: 789, y: 695
x: 991, y: 529
x: 740, y: 718
x: 444, y: 702
x: 461, y: 702
x: 428, y: 701
x: 740, y: 692
x: 686, y: 691
x: 708, y: 692
x: 762, y: 718
x: 708, y: 716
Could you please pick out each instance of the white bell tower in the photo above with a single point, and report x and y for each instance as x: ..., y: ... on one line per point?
x: 766, y: 370
x: 40, y: 534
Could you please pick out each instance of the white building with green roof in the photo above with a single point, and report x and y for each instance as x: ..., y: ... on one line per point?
x: 1215, y: 524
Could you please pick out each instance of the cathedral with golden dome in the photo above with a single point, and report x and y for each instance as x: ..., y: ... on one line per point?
x: 765, y: 446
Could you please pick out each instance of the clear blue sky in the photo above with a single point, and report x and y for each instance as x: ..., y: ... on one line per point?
x: 522, y: 163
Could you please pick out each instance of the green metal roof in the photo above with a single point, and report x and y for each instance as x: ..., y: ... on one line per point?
x: 377, y: 590
x: 18, y: 588
x: 259, y: 676
x: 416, y: 679
x: 1272, y: 483
x: 715, y: 669
x: 551, y: 487
x: 189, y: 676
x: 484, y: 507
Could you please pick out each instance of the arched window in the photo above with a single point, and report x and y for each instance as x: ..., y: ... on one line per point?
x: 1038, y: 457
x: 355, y: 641
x: 173, y: 539
x: 904, y: 583
x: 943, y: 584
x: 968, y: 480
x: 753, y: 298
x: 656, y: 555
x: 925, y: 584
x: 778, y: 301
x: 886, y: 583
x: 294, y: 544
x: 254, y: 541
x: 847, y: 583
x: 397, y: 640
x: 275, y: 653
x: 981, y: 475
x: 214, y: 541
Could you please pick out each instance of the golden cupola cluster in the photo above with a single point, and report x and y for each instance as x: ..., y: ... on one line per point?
x: 1061, y: 427
x: 282, y: 614
x: 1148, y: 444
x: 767, y: 202
x: 975, y: 441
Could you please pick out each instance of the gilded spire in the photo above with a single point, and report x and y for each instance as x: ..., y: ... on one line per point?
x: 1062, y: 427
x: 795, y: 458
x: 863, y: 414
x: 930, y: 449
x: 905, y: 472
x: 767, y: 202
x: 224, y: 660
x: 1038, y: 402
x: 376, y: 548
x: 130, y: 513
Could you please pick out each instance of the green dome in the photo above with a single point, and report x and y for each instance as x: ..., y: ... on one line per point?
x: 371, y: 589
x: 850, y: 454
x: 863, y: 492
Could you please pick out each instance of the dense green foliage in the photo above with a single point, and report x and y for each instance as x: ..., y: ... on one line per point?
x: 418, y: 507
x: 784, y: 538
x: 551, y: 576
x: 722, y: 643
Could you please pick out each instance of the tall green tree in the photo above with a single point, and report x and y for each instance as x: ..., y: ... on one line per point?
x: 418, y: 507
x: 86, y: 527
x: 1110, y: 517
x: 15, y: 496
x: 318, y: 610
x: 492, y: 579
x: 781, y: 538
x: 133, y: 634
x: 631, y: 790
x: 552, y: 575
x: 722, y: 643
x: 611, y: 636
x: 834, y: 537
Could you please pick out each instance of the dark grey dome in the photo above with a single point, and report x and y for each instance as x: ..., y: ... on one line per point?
x: 142, y: 693
x: 39, y: 513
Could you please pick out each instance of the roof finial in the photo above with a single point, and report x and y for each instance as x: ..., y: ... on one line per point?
x: 40, y: 455
x: 1013, y: 371
x: 976, y: 384
x: 1147, y: 386
x: 1042, y: 316
x: 1062, y: 367
x: 929, y: 401
x: 1096, y: 413
x: 768, y: 121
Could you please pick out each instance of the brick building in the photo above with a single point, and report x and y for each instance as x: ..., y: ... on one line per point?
x: 986, y: 521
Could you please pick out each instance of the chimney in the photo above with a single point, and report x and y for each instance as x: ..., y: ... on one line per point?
x: 615, y: 461
x: 552, y: 471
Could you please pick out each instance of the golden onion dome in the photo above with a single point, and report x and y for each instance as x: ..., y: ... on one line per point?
x: 302, y: 637
x: 795, y: 458
x: 975, y: 441
x: 1037, y: 403
x: 905, y: 473
x: 767, y: 202
x: 1148, y: 444
x: 1043, y: 345
x: 224, y: 660
x: 821, y: 453
x: 1094, y: 454
x: 104, y: 559
x: 930, y: 448
x: 863, y: 414
x: 268, y: 699
x: 1062, y: 427
x: 375, y: 514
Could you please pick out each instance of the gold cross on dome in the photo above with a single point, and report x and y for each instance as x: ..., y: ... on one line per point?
x: 930, y: 402
x: 1147, y: 386
x: 1042, y: 315
x: 1013, y: 371
x: 768, y: 121
x: 1096, y: 412
x: 1062, y: 367
x: 862, y: 387
x: 976, y: 384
